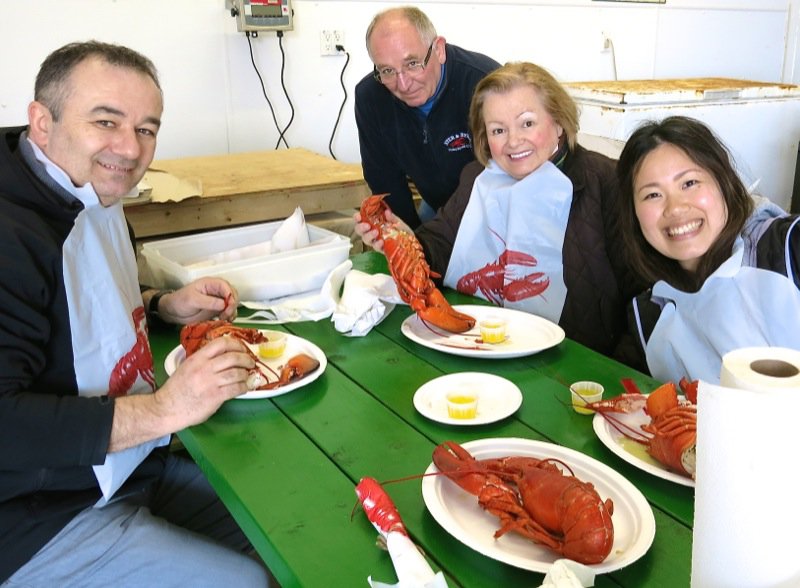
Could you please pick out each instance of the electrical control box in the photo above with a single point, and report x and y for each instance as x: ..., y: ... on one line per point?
x: 261, y: 15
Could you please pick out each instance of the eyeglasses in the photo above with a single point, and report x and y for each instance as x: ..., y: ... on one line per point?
x: 387, y: 75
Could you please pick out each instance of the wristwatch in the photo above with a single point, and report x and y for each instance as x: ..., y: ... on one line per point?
x: 152, y: 306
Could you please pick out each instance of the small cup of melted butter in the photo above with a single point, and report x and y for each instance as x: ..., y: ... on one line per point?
x: 462, y: 404
x: 493, y: 330
x: 274, y: 346
x: 583, y: 393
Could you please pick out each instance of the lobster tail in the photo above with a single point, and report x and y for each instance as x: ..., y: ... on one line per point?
x: 674, y: 439
x: 588, y: 532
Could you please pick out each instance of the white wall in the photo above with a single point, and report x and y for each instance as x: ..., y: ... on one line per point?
x: 214, y: 102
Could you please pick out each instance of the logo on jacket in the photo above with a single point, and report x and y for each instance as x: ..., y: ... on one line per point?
x: 458, y: 142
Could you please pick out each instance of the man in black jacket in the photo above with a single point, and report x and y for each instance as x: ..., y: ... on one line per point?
x: 412, y: 111
x: 89, y: 494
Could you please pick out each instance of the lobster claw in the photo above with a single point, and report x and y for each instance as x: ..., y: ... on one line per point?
x: 458, y: 464
x: 296, y: 368
x: 379, y: 508
x: 438, y: 312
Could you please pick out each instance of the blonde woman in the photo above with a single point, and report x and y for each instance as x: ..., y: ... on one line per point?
x: 530, y: 226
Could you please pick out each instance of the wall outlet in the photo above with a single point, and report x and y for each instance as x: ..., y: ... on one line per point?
x: 606, y: 44
x: 328, y: 39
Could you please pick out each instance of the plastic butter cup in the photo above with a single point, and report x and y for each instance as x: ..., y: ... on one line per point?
x: 583, y: 393
x: 462, y: 405
x: 493, y: 329
x: 274, y: 346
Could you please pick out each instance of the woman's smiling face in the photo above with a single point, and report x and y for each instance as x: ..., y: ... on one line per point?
x: 679, y: 205
x: 521, y: 133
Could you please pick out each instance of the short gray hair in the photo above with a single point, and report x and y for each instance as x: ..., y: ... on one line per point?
x: 52, y: 81
x: 417, y: 18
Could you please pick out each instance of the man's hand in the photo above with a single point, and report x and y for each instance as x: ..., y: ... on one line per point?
x: 201, y: 300
x: 215, y: 373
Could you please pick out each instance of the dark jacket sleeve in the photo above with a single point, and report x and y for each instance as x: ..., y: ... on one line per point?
x: 438, y: 235
x: 379, y: 161
x: 641, y: 315
x: 41, y: 415
x: 778, y: 249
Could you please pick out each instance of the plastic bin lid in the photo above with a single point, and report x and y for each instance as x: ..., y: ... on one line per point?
x: 678, y: 90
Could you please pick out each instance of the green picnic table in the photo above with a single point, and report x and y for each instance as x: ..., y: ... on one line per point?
x: 286, y: 466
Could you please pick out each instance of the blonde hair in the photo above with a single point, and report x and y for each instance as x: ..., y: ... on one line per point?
x: 555, y: 99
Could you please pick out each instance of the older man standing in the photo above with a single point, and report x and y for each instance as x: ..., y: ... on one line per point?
x: 89, y: 494
x: 412, y: 111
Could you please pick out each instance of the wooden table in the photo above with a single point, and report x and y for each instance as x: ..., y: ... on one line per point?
x: 286, y: 467
x: 250, y: 187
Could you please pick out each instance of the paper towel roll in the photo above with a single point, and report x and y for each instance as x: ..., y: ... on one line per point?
x: 746, y: 512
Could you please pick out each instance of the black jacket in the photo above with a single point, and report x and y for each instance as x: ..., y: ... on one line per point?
x: 49, y: 436
x: 597, y: 282
x: 397, y: 142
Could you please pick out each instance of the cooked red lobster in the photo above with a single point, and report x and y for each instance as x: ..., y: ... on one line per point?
x: 671, y: 435
x: 536, y: 499
x: 411, y: 271
x: 197, y: 335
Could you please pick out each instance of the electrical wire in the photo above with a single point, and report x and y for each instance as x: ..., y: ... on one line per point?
x: 341, y: 108
x: 285, y: 93
x: 263, y: 88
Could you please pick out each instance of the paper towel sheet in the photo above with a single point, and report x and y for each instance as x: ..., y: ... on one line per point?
x: 366, y: 300
x: 306, y: 306
x: 746, y: 512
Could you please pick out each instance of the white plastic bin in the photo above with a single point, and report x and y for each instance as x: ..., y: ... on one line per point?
x: 264, y: 277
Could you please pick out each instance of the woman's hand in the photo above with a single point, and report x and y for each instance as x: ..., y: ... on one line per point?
x: 371, y: 237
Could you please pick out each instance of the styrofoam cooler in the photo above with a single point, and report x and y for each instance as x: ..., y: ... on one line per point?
x: 758, y: 121
x: 178, y: 261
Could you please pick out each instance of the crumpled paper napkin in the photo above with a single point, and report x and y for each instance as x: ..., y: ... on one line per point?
x: 306, y: 306
x: 565, y: 573
x: 367, y: 299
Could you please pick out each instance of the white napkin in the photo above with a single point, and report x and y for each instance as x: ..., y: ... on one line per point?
x: 367, y: 300
x: 306, y: 306
x: 565, y: 573
x: 411, y: 568
x: 291, y: 234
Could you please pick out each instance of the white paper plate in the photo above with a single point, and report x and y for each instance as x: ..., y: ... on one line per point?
x: 458, y: 512
x: 497, y: 397
x: 294, y: 345
x: 632, y: 452
x: 526, y: 334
